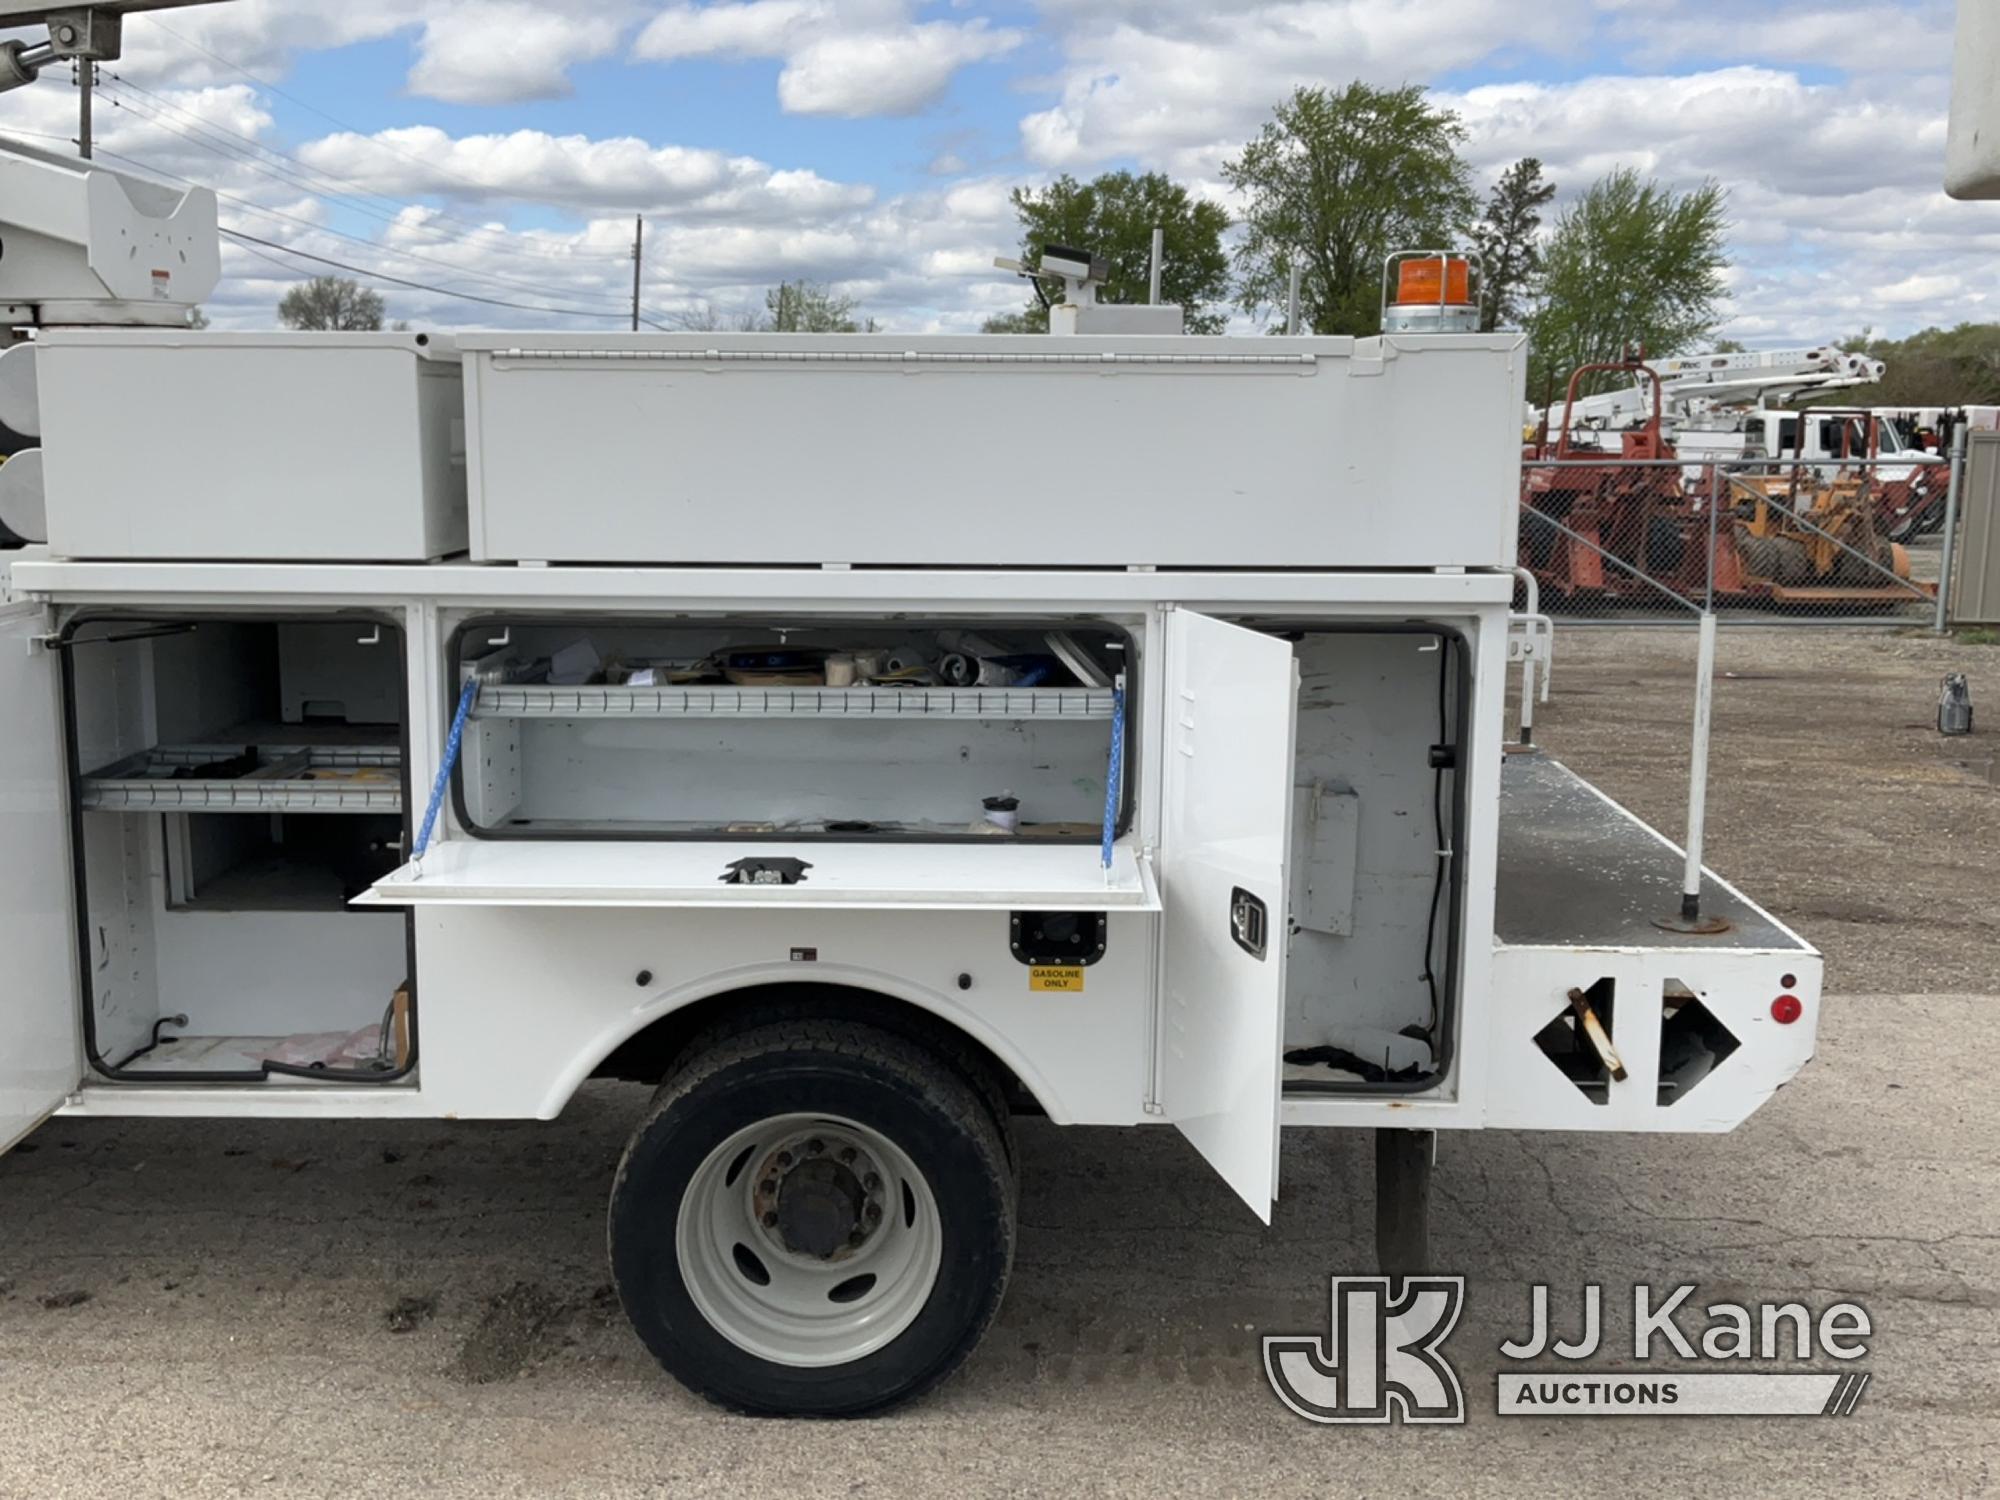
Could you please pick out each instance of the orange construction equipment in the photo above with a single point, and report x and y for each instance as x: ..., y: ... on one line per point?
x: 1580, y: 523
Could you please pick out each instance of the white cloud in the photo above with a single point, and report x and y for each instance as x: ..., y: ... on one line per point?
x: 467, y: 51
x: 199, y: 45
x: 754, y: 28
x: 1918, y: 289
x: 893, y: 72
x: 578, y: 172
x: 1824, y: 119
x: 1838, y: 215
x: 503, y: 51
x: 1165, y: 81
x: 1857, y: 38
x: 1740, y: 124
x: 850, y: 58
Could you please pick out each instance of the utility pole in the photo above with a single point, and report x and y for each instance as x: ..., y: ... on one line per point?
x: 638, y: 245
x: 86, y: 82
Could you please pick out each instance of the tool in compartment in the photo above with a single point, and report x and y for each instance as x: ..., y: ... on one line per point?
x: 226, y: 768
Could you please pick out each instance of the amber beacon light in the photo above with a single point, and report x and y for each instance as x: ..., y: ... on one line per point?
x: 1431, y: 291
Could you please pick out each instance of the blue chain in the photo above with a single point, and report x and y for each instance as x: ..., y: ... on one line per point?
x: 451, y: 747
x: 1114, y: 776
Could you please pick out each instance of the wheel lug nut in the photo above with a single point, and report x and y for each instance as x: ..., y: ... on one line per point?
x: 784, y: 1158
x: 770, y: 1220
x: 815, y: 1146
x: 874, y: 1212
x: 856, y: 1237
x: 872, y: 1183
x: 848, y: 1153
x: 768, y: 1186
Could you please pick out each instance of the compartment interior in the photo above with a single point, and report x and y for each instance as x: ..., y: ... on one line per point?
x: 847, y: 729
x: 1368, y: 973
x: 236, y: 781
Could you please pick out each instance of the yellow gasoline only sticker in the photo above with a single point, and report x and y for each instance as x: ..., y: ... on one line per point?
x: 1065, y: 978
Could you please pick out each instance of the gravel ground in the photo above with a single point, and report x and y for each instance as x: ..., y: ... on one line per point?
x: 1832, y: 798
x: 195, y: 1308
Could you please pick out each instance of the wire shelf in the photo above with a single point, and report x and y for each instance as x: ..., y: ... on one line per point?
x: 536, y: 701
x: 316, y: 779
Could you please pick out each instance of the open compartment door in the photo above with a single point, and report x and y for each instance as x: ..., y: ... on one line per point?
x: 1231, y: 703
x: 41, y: 1060
x: 978, y: 875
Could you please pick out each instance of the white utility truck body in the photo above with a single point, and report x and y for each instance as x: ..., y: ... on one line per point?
x: 1109, y: 727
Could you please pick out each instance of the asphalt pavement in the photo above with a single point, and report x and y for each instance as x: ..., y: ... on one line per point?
x: 199, y: 1308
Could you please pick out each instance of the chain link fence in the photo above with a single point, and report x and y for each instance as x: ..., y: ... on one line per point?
x: 1629, y: 541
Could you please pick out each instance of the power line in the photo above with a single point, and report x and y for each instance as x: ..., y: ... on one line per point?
x: 362, y: 271
x: 344, y: 187
x: 480, y: 189
x: 381, y: 145
x: 310, y: 189
x: 371, y: 245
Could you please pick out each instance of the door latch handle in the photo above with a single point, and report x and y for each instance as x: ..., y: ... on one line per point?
x: 1249, y: 922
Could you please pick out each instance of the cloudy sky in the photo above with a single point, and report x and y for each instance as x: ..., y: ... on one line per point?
x: 500, y: 148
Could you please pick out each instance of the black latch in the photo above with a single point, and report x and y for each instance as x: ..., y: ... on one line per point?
x: 782, y: 870
x: 1444, y: 757
x: 1249, y: 922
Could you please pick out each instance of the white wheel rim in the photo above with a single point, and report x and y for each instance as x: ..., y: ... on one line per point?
x: 808, y: 1306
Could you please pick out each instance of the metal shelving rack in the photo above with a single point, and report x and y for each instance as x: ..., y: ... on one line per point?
x: 539, y: 701
x: 312, y: 779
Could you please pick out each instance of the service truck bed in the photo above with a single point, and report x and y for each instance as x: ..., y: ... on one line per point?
x: 1707, y: 1027
x: 1578, y: 870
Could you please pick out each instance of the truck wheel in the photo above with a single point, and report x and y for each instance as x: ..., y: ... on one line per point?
x: 815, y: 1218
x: 1403, y: 1202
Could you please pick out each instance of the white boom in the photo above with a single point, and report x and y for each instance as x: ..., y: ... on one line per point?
x: 1695, y: 383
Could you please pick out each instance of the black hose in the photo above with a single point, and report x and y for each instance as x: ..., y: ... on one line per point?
x: 333, y: 1075
x: 154, y: 1043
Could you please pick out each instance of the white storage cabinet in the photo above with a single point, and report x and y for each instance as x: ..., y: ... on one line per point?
x: 1395, y: 452
x: 281, y: 446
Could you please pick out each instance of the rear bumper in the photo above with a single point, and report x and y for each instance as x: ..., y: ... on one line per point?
x: 1581, y: 881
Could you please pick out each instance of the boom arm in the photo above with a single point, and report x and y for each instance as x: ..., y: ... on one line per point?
x: 1694, y: 381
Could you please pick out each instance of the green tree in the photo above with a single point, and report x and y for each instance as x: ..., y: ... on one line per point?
x: 1335, y: 182
x: 1631, y: 264
x: 1114, y: 216
x: 1506, y: 238
x: 811, y: 307
x: 707, y: 317
x: 1032, y: 320
x: 331, y: 302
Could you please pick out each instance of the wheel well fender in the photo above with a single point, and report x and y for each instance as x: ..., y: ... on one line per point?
x: 646, y: 1049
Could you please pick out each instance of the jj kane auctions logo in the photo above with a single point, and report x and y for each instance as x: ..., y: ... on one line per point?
x: 1382, y: 1357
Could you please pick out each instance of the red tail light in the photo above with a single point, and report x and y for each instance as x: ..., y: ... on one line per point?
x: 1787, y: 1009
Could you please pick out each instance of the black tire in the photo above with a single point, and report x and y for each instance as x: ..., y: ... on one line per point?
x: 851, y: 1072
x: 824, y: 1003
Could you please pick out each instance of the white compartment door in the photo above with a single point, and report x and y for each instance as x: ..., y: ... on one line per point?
x: 1231, y: 702
x: 41, y: 1056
